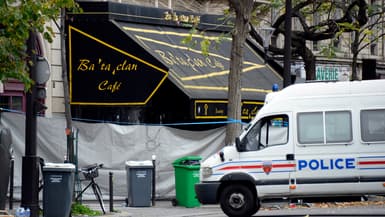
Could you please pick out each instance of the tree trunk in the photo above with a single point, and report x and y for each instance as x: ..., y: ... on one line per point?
x: 309, y: 62
x: 354, y: 67
x: 242, y: 12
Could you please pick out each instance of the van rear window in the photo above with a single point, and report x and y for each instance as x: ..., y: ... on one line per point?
x: 373, y: 125
x: 324, y: 127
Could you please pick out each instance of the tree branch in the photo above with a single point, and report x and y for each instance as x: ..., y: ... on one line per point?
x: 370, y: 42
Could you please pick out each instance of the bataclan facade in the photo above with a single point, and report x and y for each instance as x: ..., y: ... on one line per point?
x: 128, y: 64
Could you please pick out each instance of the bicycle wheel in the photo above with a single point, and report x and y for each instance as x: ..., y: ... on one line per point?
x: 98, y: 195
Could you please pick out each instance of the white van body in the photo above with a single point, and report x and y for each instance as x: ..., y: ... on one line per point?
x: 308, y: 140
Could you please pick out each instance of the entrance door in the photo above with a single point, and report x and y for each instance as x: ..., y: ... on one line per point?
x: 268, y: 153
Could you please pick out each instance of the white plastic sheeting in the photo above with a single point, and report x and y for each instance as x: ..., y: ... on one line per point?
x: 113, y: 145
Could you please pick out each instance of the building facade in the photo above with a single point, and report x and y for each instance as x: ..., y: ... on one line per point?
x: 371, y: 62
x: 371, y: 58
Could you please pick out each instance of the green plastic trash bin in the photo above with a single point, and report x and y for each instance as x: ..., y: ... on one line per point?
x: 186, y: 176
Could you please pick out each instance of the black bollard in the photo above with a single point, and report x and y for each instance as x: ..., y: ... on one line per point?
x: 153, y: 180
x: 111, y: 192
x: 11, y: 177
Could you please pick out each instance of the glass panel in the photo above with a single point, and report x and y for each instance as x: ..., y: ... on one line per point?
x: 267, y: 132
x: 275, y: 131
x: 252, y: 138
x: 373, y: 125
x: 17, y: 103
x: 338, y: 126
x: 5, y: 102
x: 310, y: 127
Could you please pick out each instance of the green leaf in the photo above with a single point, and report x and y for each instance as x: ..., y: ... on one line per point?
x: 17, y: 18
x: 80, y: 209
x: 205, y: 46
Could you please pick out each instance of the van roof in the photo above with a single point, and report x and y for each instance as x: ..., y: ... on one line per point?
x: 308, y: 92
x: 297, y: 95
x: 330, y: 88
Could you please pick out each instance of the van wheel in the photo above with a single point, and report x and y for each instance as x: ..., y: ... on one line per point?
x: 238, y: 201
x: 257, y: 206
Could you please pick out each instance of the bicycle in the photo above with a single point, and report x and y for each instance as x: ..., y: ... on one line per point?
x: 90, y: 173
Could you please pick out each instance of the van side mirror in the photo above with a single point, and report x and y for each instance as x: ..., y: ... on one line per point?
x: 239, y: 145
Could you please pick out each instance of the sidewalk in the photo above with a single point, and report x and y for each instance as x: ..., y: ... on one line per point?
x: 161, y: 208
x: 165, y: 208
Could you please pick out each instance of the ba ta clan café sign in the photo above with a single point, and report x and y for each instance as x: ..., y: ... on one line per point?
x: 110, y: 76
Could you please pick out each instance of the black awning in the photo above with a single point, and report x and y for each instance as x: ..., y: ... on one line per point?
x: 106, y: 68
x: 197, y: 75
x: 124, y: 56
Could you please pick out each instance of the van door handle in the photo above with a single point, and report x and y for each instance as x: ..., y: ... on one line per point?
x: 290, y: 157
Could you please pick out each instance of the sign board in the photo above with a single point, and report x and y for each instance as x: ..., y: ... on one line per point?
x: 217, y: 109
x: 324, y: 72
x: 102, y: 74
x: 332, y: 72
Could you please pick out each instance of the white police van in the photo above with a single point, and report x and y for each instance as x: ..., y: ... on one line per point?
x: 308, y: 140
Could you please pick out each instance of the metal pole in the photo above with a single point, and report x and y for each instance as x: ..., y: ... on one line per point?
x: 287, y: 56
x: 30, y: 162
x: 11, y: 178
x: 265, y: 54
x: 67, y: 106
x: 111, y: 175
x: 266, y: 33
x: 153, y: 179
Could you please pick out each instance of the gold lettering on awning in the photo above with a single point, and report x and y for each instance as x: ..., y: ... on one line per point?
x: 192, y: 62
x: 124, y: 66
